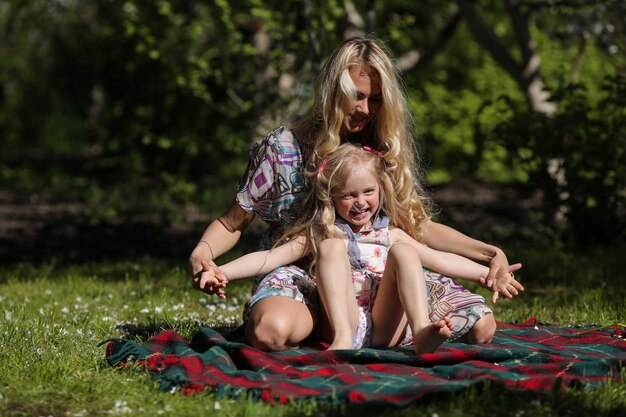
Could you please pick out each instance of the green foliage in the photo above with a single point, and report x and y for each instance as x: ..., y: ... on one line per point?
x: 139, y: 108
x: 576, y: 157
x: 449, y: 102
x: 155, y: 103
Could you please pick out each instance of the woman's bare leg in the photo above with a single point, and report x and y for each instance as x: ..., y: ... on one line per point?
x: 402, y: 298
x: 334, y: 283
x: 482, y: 332
x: 279, y: 323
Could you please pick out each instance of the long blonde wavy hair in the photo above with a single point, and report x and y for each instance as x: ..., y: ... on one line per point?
x: 390, y: 132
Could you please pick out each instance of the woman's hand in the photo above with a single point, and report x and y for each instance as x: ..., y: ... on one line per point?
x: 203, y: 271
x: 212, y: 280
x: 501, y: 280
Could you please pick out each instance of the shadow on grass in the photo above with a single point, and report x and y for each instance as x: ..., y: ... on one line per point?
x: 143, y: 332
x: 77, y: 240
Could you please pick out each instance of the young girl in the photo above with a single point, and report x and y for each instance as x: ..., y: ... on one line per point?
x: 351, y: 206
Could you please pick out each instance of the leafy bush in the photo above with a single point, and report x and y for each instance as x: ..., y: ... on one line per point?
x: 576, y: 157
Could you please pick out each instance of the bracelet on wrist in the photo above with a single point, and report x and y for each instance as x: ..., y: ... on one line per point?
x: 209, y: 246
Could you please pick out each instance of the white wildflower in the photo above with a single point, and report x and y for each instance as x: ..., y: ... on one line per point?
x: 121, y: 407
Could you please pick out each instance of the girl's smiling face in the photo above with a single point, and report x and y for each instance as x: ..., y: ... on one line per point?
x: 358, y: 201
x: 368, y: 99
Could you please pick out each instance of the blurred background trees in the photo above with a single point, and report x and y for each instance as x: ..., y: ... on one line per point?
x: 136, y: 109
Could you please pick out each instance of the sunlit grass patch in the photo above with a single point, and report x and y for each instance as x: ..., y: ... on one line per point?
x: 52, y: 318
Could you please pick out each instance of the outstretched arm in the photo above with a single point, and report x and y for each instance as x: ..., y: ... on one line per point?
x: 447, y: 239
x: 454, y: 265
x: 262, y: 262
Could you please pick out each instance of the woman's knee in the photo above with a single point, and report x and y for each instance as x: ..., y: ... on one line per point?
x: 483, y: 331
x: 267, y: 332
x: 276, y: 325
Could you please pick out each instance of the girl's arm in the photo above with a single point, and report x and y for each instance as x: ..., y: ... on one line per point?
x: 444, y: 238
x: 262, y: 262
x: 447, y: 263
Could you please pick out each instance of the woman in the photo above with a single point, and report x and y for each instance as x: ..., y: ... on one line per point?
x: 358, y: 98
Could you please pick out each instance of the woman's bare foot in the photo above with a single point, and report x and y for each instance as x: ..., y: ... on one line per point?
x: 429, y: 338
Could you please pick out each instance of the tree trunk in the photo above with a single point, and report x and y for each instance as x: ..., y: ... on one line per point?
x: 526, y: 73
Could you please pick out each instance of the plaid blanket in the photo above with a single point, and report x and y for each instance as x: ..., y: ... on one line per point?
x: 529, y: 356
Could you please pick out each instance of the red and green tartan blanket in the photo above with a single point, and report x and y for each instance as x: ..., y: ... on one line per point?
x: 521, y: 357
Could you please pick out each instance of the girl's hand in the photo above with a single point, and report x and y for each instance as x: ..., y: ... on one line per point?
x: 505, y: 283
x: 211, y: 280
x: 498, y: 268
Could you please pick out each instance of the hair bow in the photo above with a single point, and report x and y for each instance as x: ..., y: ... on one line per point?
x: 372, y: 150
x: 320, y: 169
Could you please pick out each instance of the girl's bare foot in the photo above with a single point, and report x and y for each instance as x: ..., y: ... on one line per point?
x: 341, y: 343
x: 429, y: 338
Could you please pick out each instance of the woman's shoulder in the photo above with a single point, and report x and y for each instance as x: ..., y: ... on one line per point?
x: 282, y: 136
x: 280, y: 143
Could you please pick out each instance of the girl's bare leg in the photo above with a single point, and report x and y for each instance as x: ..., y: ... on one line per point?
x: 334, y: 282
x: 402, y: 298
x: 430, y: 337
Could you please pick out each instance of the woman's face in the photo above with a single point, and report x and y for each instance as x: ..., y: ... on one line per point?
x: 369, y: 98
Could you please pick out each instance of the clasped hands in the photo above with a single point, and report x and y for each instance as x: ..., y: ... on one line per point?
x: 210, y: 279
x: 501, y: 281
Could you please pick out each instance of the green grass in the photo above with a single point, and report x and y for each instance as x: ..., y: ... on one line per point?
x: 53, y: 316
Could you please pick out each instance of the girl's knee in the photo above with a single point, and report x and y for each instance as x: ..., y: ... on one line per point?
x: 403, y: 251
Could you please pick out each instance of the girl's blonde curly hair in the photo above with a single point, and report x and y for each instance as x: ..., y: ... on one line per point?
x: 327, y: 181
